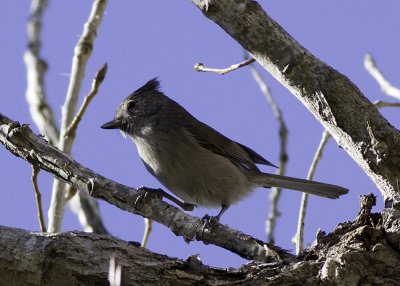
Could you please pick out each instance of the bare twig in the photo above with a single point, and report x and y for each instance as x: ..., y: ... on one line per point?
x: 81, y: 54
x: 114, y: 272
x: 147, y: 230
x: 380, y: 104
x: 35, y: 172
x: 42, y: 113
x: 20, y: 140
x: 36, y: 67
x: 386, y: 87
x: 298, y: 239
x: 283, y: 132
x: 202, y: 68
x: 98, y: 79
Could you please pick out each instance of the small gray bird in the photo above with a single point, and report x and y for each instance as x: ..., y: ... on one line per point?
x: 195, y: 162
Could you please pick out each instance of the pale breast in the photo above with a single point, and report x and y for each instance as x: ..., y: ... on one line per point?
x: 190, y: 171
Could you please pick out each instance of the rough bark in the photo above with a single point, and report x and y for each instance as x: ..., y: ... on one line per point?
x: 332, y: 98
x: 148, y: 203
x: 364, y: 252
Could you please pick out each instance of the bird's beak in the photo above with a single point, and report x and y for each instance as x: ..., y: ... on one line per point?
x: 113, y: 124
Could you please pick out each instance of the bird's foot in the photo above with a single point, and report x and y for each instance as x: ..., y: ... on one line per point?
x: 144, y: 191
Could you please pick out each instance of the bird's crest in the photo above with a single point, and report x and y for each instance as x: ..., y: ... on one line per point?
x: 152, y: 85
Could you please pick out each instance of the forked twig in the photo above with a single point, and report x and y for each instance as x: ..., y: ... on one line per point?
x: 82, y: 53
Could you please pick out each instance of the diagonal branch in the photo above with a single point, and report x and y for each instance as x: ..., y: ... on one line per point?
x: 23, y: 143
x: 331, y: 97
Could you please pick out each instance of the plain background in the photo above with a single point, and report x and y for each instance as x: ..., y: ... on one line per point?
x: 143, y: 39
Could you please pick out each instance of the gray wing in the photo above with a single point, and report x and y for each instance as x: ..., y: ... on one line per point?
x: 238, y: 154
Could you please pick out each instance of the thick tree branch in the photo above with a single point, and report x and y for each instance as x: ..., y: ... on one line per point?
x: 23, y: 143
x: 365, y: 252
x: 332, y: 98
x: 77, y: 258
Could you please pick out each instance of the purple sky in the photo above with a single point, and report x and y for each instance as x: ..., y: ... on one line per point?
x: 143, y: 39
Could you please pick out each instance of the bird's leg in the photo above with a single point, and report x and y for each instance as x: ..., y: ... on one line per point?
x: 163, y: 194
x: 218, y: 216
x: 224, y: 208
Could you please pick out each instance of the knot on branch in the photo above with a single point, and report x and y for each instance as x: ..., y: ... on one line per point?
x: 366, y: 204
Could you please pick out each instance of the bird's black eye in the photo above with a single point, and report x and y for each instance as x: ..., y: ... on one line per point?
x: 131, y: 105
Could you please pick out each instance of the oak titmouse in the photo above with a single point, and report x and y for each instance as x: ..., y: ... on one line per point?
x: 195, y: 162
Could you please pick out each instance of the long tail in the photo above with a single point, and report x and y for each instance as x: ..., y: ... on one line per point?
x: 306, y: 186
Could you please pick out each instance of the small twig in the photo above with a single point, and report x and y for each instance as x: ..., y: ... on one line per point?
x: 35, y: 172
x: 114, y: 272
x: 147, y: 230
x: 283, y: 132
x: 202, y: 68
x: 82, y: 52
x: 298, y: 239
x: 386, y: 87
x: 381, y: 104
x: 98, y: 79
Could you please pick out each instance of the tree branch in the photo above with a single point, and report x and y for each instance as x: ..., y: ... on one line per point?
x: 42, y: 114
x: 23, y: 143
x: 363, y: 252
x: 36, y: 67
x: 38, y: 196
x: 298, y: 239
x: 98, y: 79
x: 283, y: 158
x: 332, y: 98
x: 386, y: 87
x: 199, y: 67
x: 82, y: 53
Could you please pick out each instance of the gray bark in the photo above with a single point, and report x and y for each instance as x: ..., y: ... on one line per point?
x: 364, y: 252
